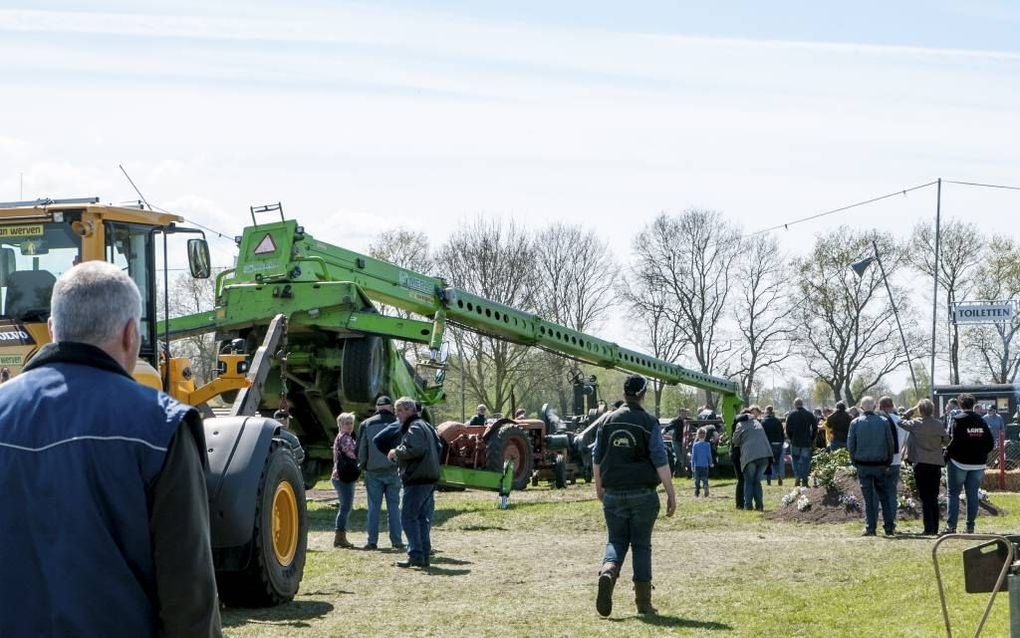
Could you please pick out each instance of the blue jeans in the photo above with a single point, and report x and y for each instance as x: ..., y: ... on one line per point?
x: 778, y: 461
x: 700, y: 478
x: 754, y: 472
x: 874, y: 480
x: 630, y: 516
x: 970, y: 480
x: 801, y: 462
x: 680, y: 456
x: 377, y: 485
x: 894, y: 489
x: 416, y: 515
x: 345, y: 495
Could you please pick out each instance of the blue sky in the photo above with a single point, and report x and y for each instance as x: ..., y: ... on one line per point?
x: 360, y: 117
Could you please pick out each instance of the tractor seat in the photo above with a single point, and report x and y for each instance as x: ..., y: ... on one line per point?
x: 28, y: 290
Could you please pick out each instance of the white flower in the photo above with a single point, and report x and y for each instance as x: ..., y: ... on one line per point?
x: 803, y: 503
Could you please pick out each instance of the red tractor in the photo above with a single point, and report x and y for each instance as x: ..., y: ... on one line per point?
x: 541, y: 449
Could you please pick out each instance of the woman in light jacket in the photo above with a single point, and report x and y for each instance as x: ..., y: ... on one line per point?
x: 755, y: 456
x: 924, y: 451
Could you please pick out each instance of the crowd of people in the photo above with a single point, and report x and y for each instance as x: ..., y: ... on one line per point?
x: 879, y: 438
x: 399, y: 452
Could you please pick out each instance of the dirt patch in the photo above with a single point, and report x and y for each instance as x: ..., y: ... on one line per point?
x: 844, y: 503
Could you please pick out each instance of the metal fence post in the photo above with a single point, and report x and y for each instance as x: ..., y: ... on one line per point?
x: 1014, y: 606
x: 1002, y: 460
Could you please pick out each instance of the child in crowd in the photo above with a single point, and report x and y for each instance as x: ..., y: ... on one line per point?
x: 701, y: 461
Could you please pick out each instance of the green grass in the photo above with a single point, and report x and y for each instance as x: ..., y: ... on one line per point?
x: 530, y: 571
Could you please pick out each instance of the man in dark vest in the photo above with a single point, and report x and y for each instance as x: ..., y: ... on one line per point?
x: 630, y: 461
x: 105, y: 529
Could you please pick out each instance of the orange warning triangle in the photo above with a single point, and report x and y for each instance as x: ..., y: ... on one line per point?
x: 267, y: 245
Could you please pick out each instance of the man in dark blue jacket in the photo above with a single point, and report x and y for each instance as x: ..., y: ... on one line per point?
x: 105, y: 529
x: 801, y: 429
x: 630, y: 461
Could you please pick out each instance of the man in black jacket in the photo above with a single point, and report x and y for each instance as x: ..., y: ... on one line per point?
x: 801, y: 429
x: 418, y: 458
x: 777, y: 438
x: 967, y: 453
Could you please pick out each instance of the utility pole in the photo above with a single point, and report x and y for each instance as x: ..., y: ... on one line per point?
x: 935, y: 291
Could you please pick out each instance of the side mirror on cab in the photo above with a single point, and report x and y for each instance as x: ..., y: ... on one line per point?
x: 7, y: 264
x: 198, y: 258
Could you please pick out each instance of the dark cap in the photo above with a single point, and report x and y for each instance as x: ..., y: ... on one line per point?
x: 383, y: 401
x: 635, y: 385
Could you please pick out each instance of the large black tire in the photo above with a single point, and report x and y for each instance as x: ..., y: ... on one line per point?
x: 510, y: 442
x: 269, y: 580
x: 560, y: 472
x: 363, y: 376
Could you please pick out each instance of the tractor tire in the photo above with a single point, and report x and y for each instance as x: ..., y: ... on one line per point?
x: 363, y: 376
x: 560, y: 472
x: 510, y: 442
x: 279, y: 538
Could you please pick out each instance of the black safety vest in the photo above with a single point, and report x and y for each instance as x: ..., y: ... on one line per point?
x: 623, y: 456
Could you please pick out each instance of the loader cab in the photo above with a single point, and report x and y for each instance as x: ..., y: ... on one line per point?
x: 40, y: 240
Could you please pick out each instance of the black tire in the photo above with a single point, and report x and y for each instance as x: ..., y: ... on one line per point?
x: 311, y: 470
x: 510, y: 442
x: 267, y: 581
x: 363, y: 376
x: 560, y: 472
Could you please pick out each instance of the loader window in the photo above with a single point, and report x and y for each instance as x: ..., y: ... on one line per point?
x: 32, y: 256
x: 129, y: 246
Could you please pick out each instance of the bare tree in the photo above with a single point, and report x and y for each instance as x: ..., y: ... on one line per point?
x: 690, y: 258
x: 958, y: 262
x: 492, y: 258
x: 407, y: 249
x: 846, y: 330
x: 576, y: 272
x: 998, y: 278
x: 763, y: 311
x: 647, y: 297
x: 189, y: 296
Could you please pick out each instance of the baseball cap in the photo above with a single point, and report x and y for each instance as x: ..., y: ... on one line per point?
x: 383, y: 400
x: 635, y: 385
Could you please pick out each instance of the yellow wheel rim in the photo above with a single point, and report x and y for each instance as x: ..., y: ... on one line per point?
x: 285, y: 524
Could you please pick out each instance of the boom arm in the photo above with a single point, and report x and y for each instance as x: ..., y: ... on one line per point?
x: 281, y: 268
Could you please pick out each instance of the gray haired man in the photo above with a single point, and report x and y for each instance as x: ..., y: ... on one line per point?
x: 106, y: 522
x: 418, y: 458
x: 871, y: 445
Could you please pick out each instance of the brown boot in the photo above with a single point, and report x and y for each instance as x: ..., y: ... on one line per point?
x: 643, y: 598
x: 340, y: 540
x: 607, y: 580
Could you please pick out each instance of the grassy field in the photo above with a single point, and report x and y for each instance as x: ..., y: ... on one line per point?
x: 530, y: 571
